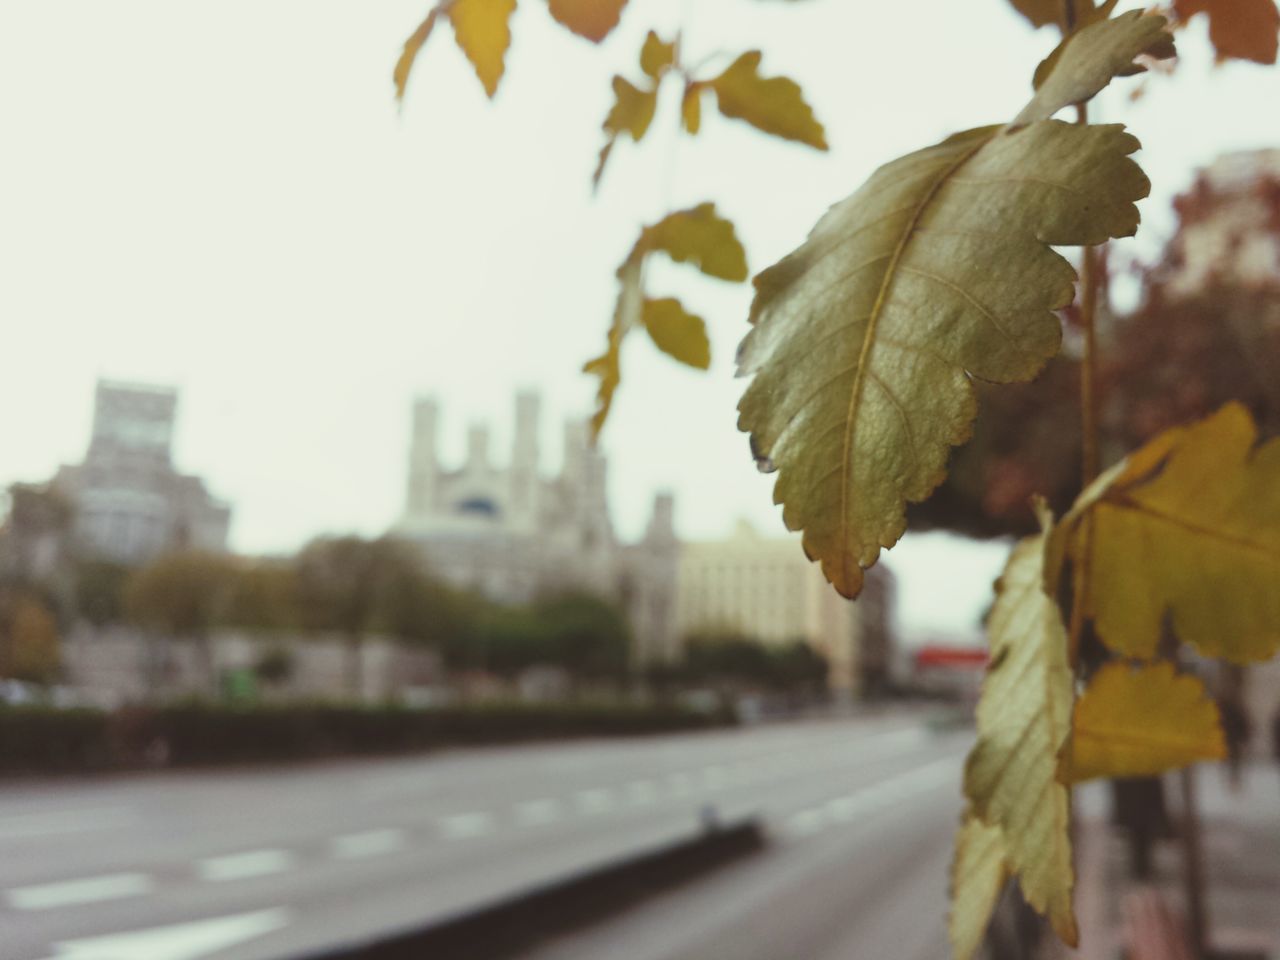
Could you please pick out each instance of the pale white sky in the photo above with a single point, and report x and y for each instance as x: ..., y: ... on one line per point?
x: 225, y: 197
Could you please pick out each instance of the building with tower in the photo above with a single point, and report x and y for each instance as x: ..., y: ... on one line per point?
x: 129, y: 503
x: 513, y: 532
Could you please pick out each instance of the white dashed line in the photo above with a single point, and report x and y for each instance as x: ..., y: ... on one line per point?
x: 640, y: 792
x: 679, y: 784
x: 805, y: 822
x: 594, y: 801
x: 531, y: 813
x: 869, y: 799
x: 243, y: 866
x: 114, y: 886
x: 368, y: 843
x: 461, y: 826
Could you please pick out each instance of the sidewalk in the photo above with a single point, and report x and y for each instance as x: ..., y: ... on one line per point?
x: 1241, y: 841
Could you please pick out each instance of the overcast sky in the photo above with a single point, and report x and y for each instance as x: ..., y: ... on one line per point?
x: 225, y: 197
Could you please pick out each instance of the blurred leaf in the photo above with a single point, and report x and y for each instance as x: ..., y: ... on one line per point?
x: 699, y: 236
x: 865, y: 339
x: 678, y: 333
x: 593, y: 19
x: 1188, y: 527
x: 1023, y: 719
x: 691, y: 107
x: 411, y: 47
x: 772, y: 104
x: 483, y: 31
x: 1091, y: 58
x: 1139, y: 722
x: 1240, y: 29
x: 632, y: 112
x: 978, y: 873
x: 608, y: 366
x: 656, y: 55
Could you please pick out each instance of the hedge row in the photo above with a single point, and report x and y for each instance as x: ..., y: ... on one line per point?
x: 39, y: 739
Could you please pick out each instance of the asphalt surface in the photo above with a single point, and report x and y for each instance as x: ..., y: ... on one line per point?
x: 272, y: 864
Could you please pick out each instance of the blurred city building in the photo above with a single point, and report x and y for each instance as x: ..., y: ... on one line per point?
x: 513, y: 533
x: 129, y: 503
x: 765, y: 589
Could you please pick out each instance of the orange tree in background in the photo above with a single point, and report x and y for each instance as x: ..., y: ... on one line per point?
x: 864, y: 350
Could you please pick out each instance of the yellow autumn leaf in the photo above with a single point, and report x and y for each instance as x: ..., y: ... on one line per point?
x: 631, y: 113
x: 656, y: 55
x: 772, y: 104
x: 593, y: 19
x: 607, y: 367
x: 865, y: 340
x: 978, y: 873
x: 701, y: 237
x: 1190, y: 530
x: 1023, y: 719
x: 483, y: 31
x: 404, y: 66
x: 677, y: 332
x: 698, y: 236
x: 1141, y: 721
x: 691, y: 107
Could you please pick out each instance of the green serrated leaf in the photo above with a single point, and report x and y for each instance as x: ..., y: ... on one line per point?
x: 1023, y: 717
x: 937, y: 270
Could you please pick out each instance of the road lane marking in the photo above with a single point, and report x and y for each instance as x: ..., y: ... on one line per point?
x: 243, y: 866
x: 678, y: 783
x: 596, y: 800
x: 23, y: 825
x: 713, y: 776
x: 640, y: 792
x: 806, y: 822
x: 367, y: 843
x: 113, y: 886
x: 532, y: 813
x: 179, y: 941
x: 871, y: 798
x: 461, y: 826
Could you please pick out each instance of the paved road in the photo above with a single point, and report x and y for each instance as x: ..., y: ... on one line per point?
x: 264, y: 865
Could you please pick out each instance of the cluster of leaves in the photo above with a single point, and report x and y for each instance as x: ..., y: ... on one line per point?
x: 865, y: 347
x: 698, y: 235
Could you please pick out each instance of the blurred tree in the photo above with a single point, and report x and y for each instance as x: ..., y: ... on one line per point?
x: 344, y: 584
x: 100, y: 591
x: 28, y: 637
x: 586, y: 634
x: 264, y: 595
x: 183, y: 594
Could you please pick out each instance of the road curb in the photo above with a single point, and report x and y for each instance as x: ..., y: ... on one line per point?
x: 506, y: 927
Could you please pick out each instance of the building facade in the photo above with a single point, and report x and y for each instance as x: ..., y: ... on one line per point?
x: 129, y: 503
x: 766, y: 589
x: 513, y: 532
